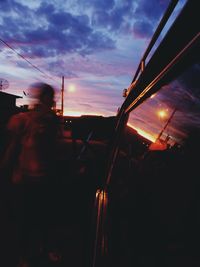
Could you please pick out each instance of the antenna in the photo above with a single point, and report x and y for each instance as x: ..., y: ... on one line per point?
x: 4, y: 84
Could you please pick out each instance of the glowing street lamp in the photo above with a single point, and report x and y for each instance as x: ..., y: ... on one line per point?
x: 167, y: 123
x: 162, y: 113
x: 71, y: 88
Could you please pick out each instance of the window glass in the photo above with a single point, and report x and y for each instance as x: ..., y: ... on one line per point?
x: 173, y: 111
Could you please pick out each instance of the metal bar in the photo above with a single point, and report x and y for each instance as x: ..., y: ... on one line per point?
x: 163, y: 72
x: 167, y: 123
x: 160, y: 27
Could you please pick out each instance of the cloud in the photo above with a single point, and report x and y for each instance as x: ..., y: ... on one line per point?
x: 50, y: 29
x: 151, y: 10
x: 138, y: 17
x: 104, y: 4
x: 48, y: 32
x: 59, y: 68
x: 76, y: 35
x: 147, y: 14
x: 45, y: 8
x: 113, y: 19
x: 142, y: 29
x: 7, y: 6
x: 85, y: 105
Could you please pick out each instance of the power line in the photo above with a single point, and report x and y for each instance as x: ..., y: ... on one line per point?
x: 23, y: 57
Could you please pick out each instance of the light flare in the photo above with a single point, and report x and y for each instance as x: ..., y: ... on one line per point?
x: 79, y: 113
x: 71, y: 88
x: 162, y: 114
x: 143, y: 133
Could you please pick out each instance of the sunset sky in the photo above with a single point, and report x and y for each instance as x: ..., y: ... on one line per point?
x: 95, y: 44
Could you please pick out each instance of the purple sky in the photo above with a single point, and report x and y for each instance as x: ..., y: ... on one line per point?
x: 95, y: 44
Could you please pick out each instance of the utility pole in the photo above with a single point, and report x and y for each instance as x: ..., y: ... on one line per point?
x: 165, y: 126
x: 62, y: 96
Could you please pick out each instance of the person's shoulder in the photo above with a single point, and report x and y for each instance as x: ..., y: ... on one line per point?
x: 17, y: 120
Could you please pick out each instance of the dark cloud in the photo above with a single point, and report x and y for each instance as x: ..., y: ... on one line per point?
x: 42, y: 51
x: 45, y: 8
x: 63, y: 32
x: 74, y: 25
x: 5, y: 5
x: 100, y: 18
x: 96, y: 4
x: 62, y: 20
x: 76, y: 35
x: 114, y: 19
x: 147, y: 14
x: 120, y: 17
x: 59, y: 68
x: 142, y: 29
x: 11, y: 5
x: 151, y: 10
x: 110, y: 15
x: 97, y: 42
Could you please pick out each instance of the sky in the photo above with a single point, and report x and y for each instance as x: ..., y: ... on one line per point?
x: 95, y: 44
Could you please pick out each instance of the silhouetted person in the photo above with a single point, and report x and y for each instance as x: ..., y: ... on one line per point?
x: 32, y: 139
x: 30, y: 159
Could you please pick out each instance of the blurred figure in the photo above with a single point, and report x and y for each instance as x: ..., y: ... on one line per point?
x: 32, y: 139
x: 28, y: 163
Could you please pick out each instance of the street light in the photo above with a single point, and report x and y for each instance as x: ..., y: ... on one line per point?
x: 162, y: 114
x: 167, y: 123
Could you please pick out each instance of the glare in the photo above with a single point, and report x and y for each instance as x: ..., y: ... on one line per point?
x: 71, y: 88
x: 79, y: 113
x: 162, y: 114
x: 152, y: 96
x: 143, y: 133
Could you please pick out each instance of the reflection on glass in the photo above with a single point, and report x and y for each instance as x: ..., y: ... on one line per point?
x: 181, y: 98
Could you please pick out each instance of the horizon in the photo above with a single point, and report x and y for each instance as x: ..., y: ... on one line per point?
x: 95, y: 45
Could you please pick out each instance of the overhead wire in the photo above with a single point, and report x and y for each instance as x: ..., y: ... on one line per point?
x: 24, y: 58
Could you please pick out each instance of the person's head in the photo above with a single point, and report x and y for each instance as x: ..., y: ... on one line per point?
x: 44, y: 93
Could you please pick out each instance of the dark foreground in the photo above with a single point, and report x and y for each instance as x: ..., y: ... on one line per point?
x: 153, y: 214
